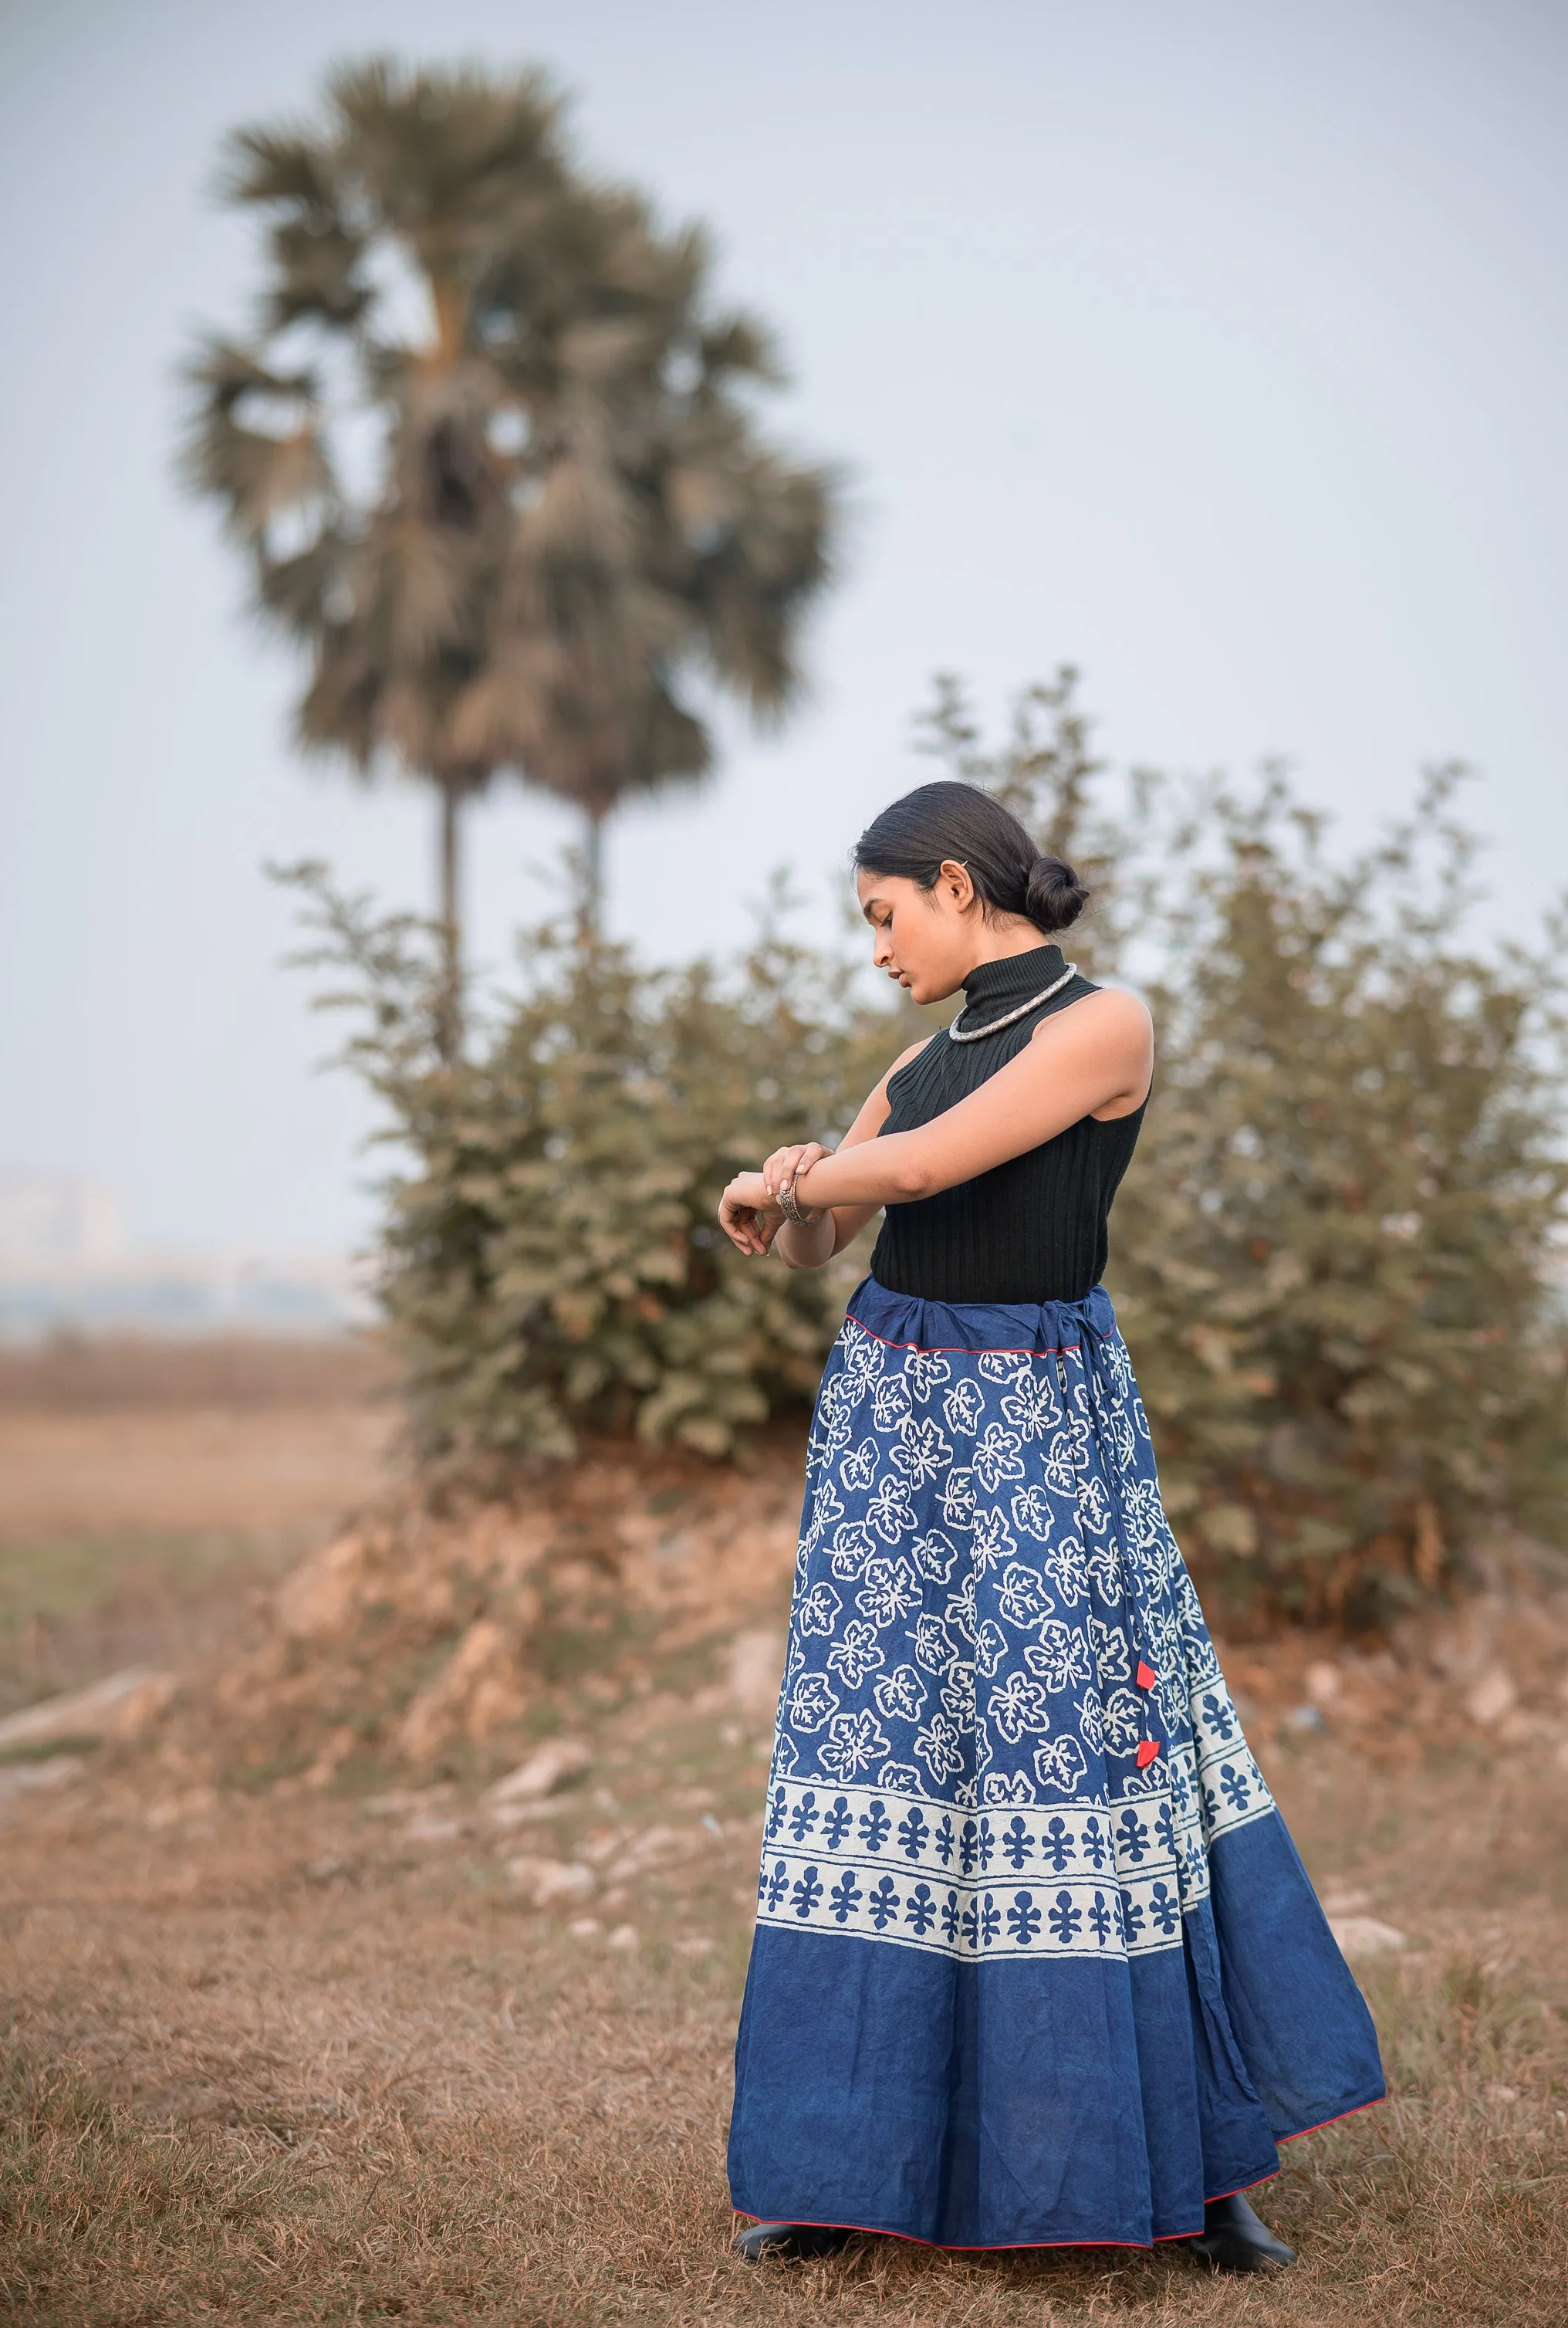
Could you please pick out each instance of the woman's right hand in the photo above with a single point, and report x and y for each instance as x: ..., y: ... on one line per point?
x: 785, y: 1164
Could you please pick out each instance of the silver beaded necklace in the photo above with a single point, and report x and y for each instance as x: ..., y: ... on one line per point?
x: 1011, y: 1018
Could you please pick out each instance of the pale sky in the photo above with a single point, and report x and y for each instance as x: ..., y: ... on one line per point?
x: 1219, y: 348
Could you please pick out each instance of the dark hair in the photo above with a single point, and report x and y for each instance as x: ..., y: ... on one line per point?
x: 948, y: 819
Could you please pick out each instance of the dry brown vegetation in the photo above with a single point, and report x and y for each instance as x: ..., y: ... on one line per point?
x: 287, y: 2041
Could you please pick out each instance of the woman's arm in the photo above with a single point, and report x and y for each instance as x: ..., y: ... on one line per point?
x: 810, y: 1246
x: 1094, y: 1057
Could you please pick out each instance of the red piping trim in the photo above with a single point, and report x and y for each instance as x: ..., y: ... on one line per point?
x: 962, y: 1350
x: 1377, y: 2103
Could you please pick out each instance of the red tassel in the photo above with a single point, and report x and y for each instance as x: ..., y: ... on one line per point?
x: 1146, y: 1676
x: 1147, y: 1752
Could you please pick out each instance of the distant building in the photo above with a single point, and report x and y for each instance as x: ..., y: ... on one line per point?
x: 67, y: 1266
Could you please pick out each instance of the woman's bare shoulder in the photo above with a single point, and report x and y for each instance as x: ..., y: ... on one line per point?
x: 1112, y: 1014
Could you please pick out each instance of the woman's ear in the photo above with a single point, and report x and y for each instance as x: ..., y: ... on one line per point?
x: 955, y: 883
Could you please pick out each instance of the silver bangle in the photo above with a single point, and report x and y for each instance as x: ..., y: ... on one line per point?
x: 791, y: 1210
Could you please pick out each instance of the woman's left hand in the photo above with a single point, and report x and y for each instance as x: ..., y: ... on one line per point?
x: 748, y: 1213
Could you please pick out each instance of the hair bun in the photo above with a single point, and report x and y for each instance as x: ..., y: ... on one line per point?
x: 1055, y: 897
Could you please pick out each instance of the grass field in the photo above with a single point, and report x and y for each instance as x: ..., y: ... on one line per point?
x: 306, y: 2056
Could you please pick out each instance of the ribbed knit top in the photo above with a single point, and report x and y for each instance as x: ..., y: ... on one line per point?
x: 1033, y: 1229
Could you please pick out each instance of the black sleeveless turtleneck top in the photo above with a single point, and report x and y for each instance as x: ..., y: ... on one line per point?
x: 1033, y: 1229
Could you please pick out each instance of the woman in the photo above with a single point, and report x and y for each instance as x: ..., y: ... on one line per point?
x: 1036, y: 1962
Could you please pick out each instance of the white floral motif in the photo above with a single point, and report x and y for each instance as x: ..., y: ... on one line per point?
x: 959, y: 1612
x: 888, y: 1593
x: 1032, y: 1406
x: 891, y: 1401
x: 1058, y: 1465
x: 1104, y: 1565
x: 1022, y: 1598
x: 1091, y: 1720
x: 890, y: 1510
x: 921, y: 1450
x: 900, y: 1696
x: 1110, y: 1645
x: 940, y: 1747
x: 1003, y: 1788
x: 1093, y: 1505
x: 958, y: 1498
x: 1124, y: 1721
x: 993, y: 1539
x: 926, y: 1371
x: 864, y: 1361
x: 1034, y: 1512
x: 858, y: 1469
x: 820, y: 1610
x: 935, y: 1647
x: 854, y: 1742
x: 827, y: 1505
x: 811, y: 1703
x: 996, y: 1458
x: 963, y: 1406
x: 990, y: 1648
x: 851, y: 1548
x: 958, y: 1694
x: 1065, y: 1567
x: 1060, y: 1658
x: 1017, y: 1704
x: 933, y: 1556
x: 855, y: 1653
x: 1059, y: 1765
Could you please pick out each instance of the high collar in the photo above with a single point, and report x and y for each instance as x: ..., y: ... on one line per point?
x: 994, y: 988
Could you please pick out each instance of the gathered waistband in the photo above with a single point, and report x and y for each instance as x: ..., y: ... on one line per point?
x: 1035, y: 1328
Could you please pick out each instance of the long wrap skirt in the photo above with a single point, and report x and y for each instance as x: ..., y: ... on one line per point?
x: 1036, y: 1961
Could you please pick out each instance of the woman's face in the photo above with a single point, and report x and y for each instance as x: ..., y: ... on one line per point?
x: 924, y: 938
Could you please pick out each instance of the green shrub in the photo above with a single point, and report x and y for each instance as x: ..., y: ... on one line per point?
x: 551, y: 1257
x: 1337, y: 1257
x: 1333, y: 1256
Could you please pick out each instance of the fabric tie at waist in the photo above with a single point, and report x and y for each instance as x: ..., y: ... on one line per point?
x: 1036, y: 1327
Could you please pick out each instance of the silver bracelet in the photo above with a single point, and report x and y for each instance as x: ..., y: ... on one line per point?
x: 791, y: 1210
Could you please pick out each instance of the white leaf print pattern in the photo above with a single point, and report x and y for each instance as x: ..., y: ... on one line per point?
x: 858, y: 1469
x: 1059, y: 1658
x: 900, y: 1696
x: 811, y: 1703
x: 855, y: 1654
x: 820, y: 1610
x: 996, y: 1458
x: 993, y: 1539
x: 888, y: 1593
x: 963, y: 1407
x: 958, y: 1504
x: 854, y: 1743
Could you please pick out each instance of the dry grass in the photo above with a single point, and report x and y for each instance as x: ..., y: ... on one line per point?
x: 272, y: 2057
x: 275, y: 2060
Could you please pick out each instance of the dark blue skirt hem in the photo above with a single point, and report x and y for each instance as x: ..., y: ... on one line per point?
x: 1027, y: 2246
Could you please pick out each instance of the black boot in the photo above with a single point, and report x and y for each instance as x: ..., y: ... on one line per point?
x: 1232, y: 2239
x: 789, y: 2240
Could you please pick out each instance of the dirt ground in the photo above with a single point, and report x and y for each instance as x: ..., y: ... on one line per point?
x: 298, y: 2048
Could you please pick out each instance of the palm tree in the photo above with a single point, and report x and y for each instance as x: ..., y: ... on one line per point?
x: 492, y: 454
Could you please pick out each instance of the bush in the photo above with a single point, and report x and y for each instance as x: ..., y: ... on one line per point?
x: 1334, y: 1254
x: 551, y: 1257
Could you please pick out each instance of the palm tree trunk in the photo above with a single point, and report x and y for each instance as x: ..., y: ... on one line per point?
x: 449, y: 1014
x: 593, y: 873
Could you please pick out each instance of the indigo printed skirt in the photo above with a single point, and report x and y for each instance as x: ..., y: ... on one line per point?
x: 1036, y: 1961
